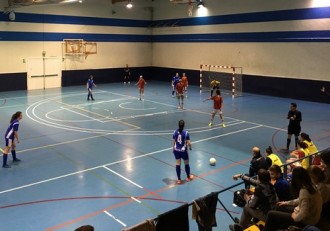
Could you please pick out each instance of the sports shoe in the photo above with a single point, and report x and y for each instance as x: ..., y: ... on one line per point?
x: 6, y: 166
x: 16, y: 160
x: 190, y: 178
x: 223, y: 125
x: 210, y: 124
x: 179, y: 182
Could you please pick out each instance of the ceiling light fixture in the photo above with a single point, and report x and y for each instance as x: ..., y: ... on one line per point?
x: 200, y: 5
x: 129, y: 4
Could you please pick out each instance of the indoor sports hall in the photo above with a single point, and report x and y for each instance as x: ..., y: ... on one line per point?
x: 108, y: 162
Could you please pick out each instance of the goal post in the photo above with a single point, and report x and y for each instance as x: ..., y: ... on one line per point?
x: 230, y: 78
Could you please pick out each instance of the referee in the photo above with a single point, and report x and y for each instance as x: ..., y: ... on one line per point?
x: 294, y: 128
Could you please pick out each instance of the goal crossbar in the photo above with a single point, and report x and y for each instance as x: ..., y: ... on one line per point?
x: 232, y: 73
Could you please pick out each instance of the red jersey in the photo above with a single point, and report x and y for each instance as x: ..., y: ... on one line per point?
x: 179, y: 88
x: 184, y: 80
x: 217, y: 101
x: 141, y: 83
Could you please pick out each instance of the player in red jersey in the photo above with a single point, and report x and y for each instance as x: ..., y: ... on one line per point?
x: 141, y: 84
x: 217, y: 107
x: 179, y: 93
x: 185, y: 84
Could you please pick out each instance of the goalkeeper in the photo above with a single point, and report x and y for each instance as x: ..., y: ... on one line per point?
x: 214, y: 85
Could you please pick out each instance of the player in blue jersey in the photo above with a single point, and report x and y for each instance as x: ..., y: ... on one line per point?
x: 181, y: 142
x: 10, y: 136
x: 90, y: 84
x: 175, y: 81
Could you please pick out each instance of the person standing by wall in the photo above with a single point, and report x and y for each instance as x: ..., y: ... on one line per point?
x: 10, y: 136
x: 294, y: 128
x: 181, y: 142
x: 90, y: 84
x: 127, y: 75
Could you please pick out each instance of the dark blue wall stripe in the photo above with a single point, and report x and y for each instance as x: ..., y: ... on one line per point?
x: 76, y: 20
x: 269, y: 16
x: 39, y: 36
x: 280, y: 15
x: 284, y: 36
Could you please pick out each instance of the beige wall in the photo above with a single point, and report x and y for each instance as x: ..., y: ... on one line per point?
x: 293, y: 60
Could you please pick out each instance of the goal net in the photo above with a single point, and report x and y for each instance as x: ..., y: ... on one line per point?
x: 230, y: 79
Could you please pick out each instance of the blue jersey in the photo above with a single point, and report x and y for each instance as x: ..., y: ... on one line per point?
x: 175, y: 80
x: 90, y: 83
x: 13, y: 127
x: 180, y: 140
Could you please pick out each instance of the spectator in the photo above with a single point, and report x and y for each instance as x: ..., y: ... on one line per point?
x: 259, y: 203
x: 301, y: 152
x: 308, y: 204
x: 272, y: 158
x: 311, y: 147
x: 258, y: 162
x: 282, y: 187
x: 325, y: 164
x: 318, y: 178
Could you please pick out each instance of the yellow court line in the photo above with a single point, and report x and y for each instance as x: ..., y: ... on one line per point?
x: 2, y: 150
x: 102, y: 116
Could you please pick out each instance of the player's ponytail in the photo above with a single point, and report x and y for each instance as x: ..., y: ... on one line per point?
x: 181, y: 126
x: 15, y: 116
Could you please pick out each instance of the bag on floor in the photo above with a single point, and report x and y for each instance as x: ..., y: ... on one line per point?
x: 239, y: 197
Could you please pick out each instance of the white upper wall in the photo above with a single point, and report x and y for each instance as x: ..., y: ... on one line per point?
x: 305, y: 60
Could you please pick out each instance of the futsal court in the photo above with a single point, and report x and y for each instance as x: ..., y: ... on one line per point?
x: 109, y: 162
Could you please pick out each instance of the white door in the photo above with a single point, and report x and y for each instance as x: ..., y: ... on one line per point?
x: 44, y: 73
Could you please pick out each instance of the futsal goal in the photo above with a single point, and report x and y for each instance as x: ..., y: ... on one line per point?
x: 230, y: 79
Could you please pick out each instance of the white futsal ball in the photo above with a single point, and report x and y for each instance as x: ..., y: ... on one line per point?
x: 213, y: 161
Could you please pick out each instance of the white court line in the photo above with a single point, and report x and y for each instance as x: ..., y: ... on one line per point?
x: 133, y: 198
x: 83, y: 115
x: 119, y: 161
x: 136, y: 109
x: 121, y: 176
x: 116, y: 219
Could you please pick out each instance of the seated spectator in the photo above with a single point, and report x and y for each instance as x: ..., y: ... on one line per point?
x: 318, y: 178
x: 257, y: 162
x: 308, y: 204
x: 282, y: 187
x: 259, y: 203
x: 272, y: 158
x: 301, y: 152
x: 311, y: 147
x: 325, y: 164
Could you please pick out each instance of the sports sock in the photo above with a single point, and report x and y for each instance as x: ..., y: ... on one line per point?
x: 178, y: 171
x: 187, y: 168
x: 288, y: 141
x: 4, y: 157
x: 13, y: 153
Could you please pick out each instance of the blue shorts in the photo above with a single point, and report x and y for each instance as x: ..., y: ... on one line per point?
x: 181, y: 155
x: 9, y: 142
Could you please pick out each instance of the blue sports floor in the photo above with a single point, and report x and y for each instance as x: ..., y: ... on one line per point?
x: 109, y: 162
